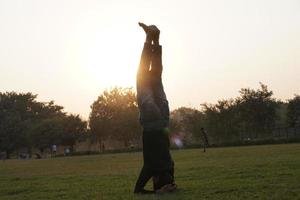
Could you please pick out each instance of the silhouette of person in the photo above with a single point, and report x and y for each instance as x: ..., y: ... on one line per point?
x: 154, y: 118
x: 54, y: 148
x: 204, y: 139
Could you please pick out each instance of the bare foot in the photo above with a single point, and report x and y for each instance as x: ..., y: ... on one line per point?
x: 152, y: 33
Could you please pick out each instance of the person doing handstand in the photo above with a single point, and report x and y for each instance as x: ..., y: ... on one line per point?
x: 154, y: 118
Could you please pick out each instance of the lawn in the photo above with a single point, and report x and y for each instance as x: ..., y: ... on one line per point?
x: 252, y: 172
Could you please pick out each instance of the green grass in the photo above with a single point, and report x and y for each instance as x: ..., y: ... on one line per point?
x: 253, y: 172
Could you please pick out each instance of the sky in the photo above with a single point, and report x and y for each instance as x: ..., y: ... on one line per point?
x: 70, y: 51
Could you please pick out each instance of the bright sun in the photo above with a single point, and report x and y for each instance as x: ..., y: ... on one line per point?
x: 108, y: 59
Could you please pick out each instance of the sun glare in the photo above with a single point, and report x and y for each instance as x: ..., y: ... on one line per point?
x: 108, y: 59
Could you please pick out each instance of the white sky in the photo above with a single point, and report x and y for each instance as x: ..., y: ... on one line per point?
x: 69, y: 51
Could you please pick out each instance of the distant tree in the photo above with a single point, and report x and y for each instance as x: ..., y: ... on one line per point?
x: 220, y: 120
x: 281, y: 113
x: 27, y: 123
x: 46, y: 127
x: 252, y: 114
x: 187, y: 121
x: 293, y: 111
x: 60, y: 129
x: 47, y: 132
x: 74, y: 129
x: 114, y: 115
x: 256, y: 111
x: 174, y: 124
x: 16, y: 115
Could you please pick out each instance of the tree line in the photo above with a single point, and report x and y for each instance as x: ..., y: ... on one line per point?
x: 30, y: 124
x: 253, y: 115
x: 27, y: 123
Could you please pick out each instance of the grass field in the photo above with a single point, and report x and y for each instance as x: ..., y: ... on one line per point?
x: 253, y: 172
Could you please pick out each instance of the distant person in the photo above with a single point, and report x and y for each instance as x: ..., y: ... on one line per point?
x: 3, y: 155
x: 23, y: 155
x: 154, y: 118
x: 204, y: 139
x: 67, y: 151
x: 54, y: 149
x: 42, y: 152
x: 103, y: 147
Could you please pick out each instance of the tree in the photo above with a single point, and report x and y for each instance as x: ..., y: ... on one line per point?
x: 256, y: 111
x: 293, y: 111
x: 220, y: 120
x: 47, y: 132
x: 251, y: 115
x: 60, y: 129
x: 74, y: 129
x: 27, y: 123
x: 45, y: 128
x: 16, y: 115
x: 188, y: 122
x: 114, y: 116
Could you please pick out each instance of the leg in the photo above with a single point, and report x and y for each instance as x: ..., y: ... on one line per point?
x: 159, y: 94
x: 156, y: 73
x: 152, y: 35
x: 156, y: 68
x: 143, y: 71
x: 149, y: 111
x: 143, y: 86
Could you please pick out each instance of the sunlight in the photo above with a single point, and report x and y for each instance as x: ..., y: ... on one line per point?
x: 111, y: 61
x: 105, y: 59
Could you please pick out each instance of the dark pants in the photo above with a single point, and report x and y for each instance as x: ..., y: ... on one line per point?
x: 157, y: 160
